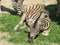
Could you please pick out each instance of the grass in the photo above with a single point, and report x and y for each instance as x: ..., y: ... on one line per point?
x: 19, y: 36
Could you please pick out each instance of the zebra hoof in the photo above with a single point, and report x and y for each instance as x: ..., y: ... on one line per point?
x: 45, y: 34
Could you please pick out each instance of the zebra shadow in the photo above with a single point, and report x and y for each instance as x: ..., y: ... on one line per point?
x: 53, y: 12
x: 13, y: 12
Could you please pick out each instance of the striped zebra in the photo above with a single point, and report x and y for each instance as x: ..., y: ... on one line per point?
x: 37, y: 18
x: 17, y: 5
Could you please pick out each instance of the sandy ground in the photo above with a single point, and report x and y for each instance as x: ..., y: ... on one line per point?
x: 4, y: 36
x: 8, y: 3
x: 46, y: 2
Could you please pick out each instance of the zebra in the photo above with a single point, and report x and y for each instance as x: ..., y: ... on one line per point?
x: 17, y: 5
x: 37, y: 18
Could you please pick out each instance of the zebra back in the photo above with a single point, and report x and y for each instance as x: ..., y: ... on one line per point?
x: 33, y: 13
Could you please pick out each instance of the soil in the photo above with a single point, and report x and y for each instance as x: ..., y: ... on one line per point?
x: 8, y: 3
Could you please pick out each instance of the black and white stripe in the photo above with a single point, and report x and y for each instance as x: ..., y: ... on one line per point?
x: 17, y: 5
x: 37, y: 18
x: 34, y: 14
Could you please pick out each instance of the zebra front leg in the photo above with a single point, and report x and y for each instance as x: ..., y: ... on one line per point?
x: 20, y: 22
x: 15, y: 28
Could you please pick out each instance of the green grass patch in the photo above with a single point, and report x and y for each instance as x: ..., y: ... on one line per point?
x: 20, y: 36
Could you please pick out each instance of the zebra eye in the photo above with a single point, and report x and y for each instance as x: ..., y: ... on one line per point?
x: 46, y: 16
x: 45, y: 12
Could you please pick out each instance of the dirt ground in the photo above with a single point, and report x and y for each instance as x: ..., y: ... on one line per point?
x: 46, y: 2
x: 8, y: 3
